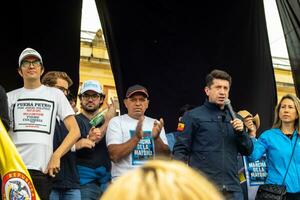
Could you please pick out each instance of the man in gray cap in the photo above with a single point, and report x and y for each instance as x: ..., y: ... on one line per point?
x: 33, y: 111
x: 134, y: 138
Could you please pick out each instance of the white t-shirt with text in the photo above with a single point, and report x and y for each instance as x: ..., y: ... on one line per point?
x: 32, y: 114
x: 120, y: 130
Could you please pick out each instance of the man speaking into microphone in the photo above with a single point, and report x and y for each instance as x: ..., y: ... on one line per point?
x: 212, y: 136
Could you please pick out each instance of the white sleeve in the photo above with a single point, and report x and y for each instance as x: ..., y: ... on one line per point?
x: 11, y: 98
x: 9, y: 104
x: 114, y: 131
x: 163, y: 137
x: 64, y: 108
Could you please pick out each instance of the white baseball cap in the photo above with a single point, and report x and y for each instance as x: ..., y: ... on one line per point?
x: 29, y: 52
x: 92, y: 85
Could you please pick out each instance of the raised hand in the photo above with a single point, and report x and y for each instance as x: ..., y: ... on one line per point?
x: 248, y: 121
x: 139, y: 128
x: 237, y: 124
x: 157, y: 127
x: 111, y: 110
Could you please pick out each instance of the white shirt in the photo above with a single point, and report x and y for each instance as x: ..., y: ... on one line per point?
x: 120, y: 130
x: 33, y: 113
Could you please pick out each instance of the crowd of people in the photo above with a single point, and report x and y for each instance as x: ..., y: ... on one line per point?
x: 94, y: 153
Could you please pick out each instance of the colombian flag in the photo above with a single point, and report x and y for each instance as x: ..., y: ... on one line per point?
x: 16, y: 181
x: 180, y: 126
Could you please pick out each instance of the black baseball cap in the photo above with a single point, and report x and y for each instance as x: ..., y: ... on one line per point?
x: 136, y: 88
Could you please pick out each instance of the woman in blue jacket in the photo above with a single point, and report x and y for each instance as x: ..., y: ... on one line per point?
x: 278, y: 143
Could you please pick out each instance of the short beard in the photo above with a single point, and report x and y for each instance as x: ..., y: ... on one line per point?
x: 92, y: 110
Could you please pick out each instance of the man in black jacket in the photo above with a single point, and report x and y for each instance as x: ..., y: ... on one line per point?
x: 210, y: 139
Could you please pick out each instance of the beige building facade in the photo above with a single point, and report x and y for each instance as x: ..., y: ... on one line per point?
x: 95, y: 64
x: 283, y: 77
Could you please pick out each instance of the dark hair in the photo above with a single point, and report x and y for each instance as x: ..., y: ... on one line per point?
x: 71, y: 97
x: 102, y: 96
x: 184, y: 108
x: 217, y: 74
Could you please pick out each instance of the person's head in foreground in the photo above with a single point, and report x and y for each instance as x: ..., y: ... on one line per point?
x: 162, y: 180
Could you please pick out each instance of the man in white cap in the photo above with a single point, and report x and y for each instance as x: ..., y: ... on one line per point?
x: 33, y: 110
x: 134, y: 138
x: 93, y: 162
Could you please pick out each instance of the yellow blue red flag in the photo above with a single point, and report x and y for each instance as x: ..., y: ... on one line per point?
x: 16, y: 180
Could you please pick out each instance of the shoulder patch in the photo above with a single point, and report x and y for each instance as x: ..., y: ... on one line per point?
x: 180, y: 127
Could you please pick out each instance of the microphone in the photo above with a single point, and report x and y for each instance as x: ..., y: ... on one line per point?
x: 228, y: 104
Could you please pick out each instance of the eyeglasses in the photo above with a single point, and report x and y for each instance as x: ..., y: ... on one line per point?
x: 88, y: 96
x: 35, y: 63
x: 64, y: 90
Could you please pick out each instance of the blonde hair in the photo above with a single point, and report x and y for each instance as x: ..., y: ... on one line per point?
x: 162, y: 180
x: 277, y: 121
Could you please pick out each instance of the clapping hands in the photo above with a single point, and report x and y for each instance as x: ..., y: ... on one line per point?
x: 157, y: 127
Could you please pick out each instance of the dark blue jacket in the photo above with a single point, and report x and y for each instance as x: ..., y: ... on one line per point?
x: 68, y: 177
x: 210, y: 144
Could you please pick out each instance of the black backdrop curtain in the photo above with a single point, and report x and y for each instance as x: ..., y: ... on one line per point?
x: 50, y: 27
x: 289, y: 12
x: 165, y: 45
x: 170, y: 46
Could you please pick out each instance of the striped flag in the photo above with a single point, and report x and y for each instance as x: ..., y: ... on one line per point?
x: 16, y: 180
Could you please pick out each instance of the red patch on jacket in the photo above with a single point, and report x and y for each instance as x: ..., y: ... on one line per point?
x: 180, y: 127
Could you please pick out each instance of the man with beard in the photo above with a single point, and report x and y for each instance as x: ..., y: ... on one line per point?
x: 93, y: 162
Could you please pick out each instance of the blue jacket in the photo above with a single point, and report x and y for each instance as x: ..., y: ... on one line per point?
x: 278, y: 148
x: 209, y: 143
